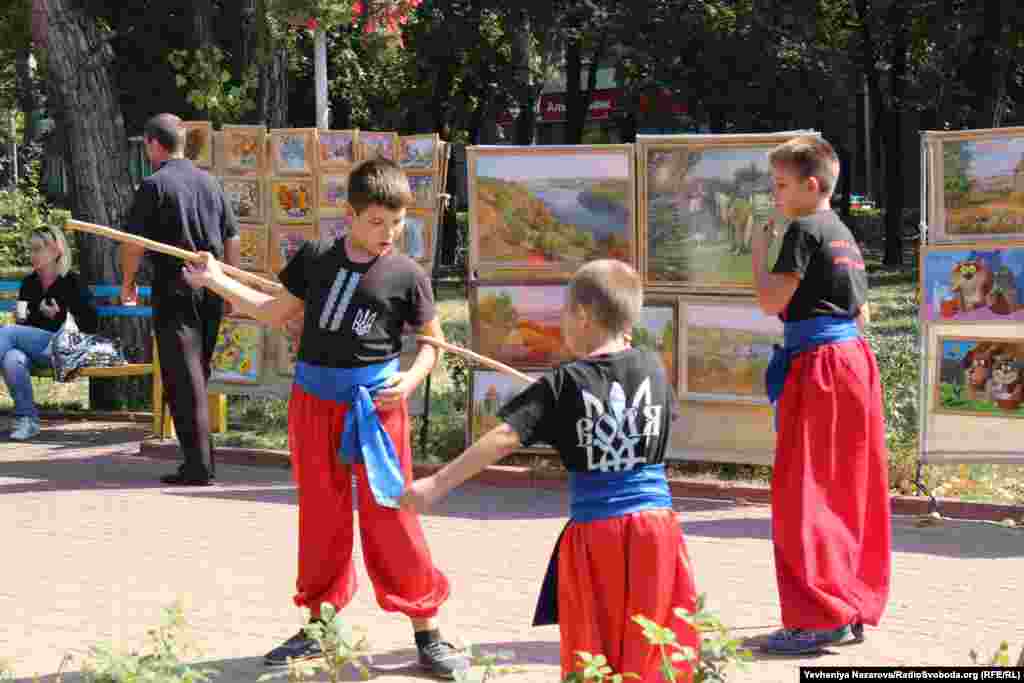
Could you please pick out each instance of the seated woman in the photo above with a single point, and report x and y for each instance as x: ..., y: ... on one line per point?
x: 44, y: 300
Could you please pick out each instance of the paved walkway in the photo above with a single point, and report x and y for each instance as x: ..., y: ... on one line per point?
x: 96, y: 549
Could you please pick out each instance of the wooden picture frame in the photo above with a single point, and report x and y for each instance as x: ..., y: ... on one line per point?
x: 293, y: 151
x: 255, y: 247
x: 332, y: 228
x: 725, y: 432
x: 417, y: 241
x: 423, y: 187
x: 518, y: 324
x: 338, y: 150
x: 332, y: 195
x: 488, y: 392
x: 658, y: 330
x: 293, y: 200
x: 199, y: 142
x: 419, y: 152
x: 285, y: 241
x: 701, y: 199
x: 538, y: 213
x: 375, y: 143
x: 975, y: 182
x: 972, y: 282
x: 242, y: 150
x: 238, y: 355
x: 247, y: 196
x: 728, y: 344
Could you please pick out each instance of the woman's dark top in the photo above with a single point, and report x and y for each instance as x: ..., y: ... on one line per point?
x: 70, y: 294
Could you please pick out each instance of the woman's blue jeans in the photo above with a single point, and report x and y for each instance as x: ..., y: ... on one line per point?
x: 22, y: 346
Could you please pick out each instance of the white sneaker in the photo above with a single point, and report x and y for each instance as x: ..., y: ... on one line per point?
x: 24, y: 428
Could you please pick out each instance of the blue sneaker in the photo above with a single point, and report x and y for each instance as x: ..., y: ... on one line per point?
x: 298, y: 647
x: 798, y: 641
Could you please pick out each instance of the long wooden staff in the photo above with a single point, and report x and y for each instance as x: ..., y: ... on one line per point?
x: 153, y: 245
x: 472, y: 355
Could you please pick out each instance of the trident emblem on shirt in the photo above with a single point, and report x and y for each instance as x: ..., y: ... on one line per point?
x: 363, y: 321
x: 613, y: 432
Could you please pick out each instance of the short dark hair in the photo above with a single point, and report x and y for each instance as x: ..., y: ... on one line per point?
x: 379, y: 181
x: 167, y: 130
x: 809, y: 156
x: 611, y: 291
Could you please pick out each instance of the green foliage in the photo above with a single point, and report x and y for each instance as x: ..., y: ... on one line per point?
x: 899, y: 371
x: 342, y: 645
x: 1000, y: 658
x: 204, y: 75
x: 23, y: 210
x: 485, y: 666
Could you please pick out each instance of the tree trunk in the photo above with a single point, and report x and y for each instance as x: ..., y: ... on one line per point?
x: 526, y: 124
x: 85, y: 107
x: 576, y: 101
x: 272, y: 101
x: 994, y: 65
x: 898, y: 19
x: 442, y: 92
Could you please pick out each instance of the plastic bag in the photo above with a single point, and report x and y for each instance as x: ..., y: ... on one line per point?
x: 71, y: 350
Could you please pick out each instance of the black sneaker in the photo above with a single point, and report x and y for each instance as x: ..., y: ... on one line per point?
x: 440, y: 658
x: 180, y: 479
x: 300, y: 646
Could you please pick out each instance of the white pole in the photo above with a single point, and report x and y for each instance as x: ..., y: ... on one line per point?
x: 323, y: 115
x: 14, y: 145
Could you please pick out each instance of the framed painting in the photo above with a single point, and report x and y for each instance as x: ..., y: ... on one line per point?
x: 418, y: 235
x: 519, y: 324
x: 293, y: 200
x: 423, y: 191
x: 285, y: 241
x: 286, y: 353
x: 538, y: 213
x: 979, y: 376
x: 255, y: 243
x: 293, y: 151
x: 702, y: 200
x: 657, y: 331
x: 728, y: 347
x: 373, y: 144
x: 199, y: 142
x: 980, y: 282
x: 333, y: 195
x: 238, y: 355
x: 489, y: 391
x: 976, y: 185
x: 334, y: 227
x: 246, y: 197
x: 337, y: 150
x: 243, y: 150
x: 727, y: 432
x: 418, y: 152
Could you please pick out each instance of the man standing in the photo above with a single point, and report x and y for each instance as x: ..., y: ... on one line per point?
x: 183, y: 206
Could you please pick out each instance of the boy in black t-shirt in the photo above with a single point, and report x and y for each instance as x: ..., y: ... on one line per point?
x: 348, y: 413
x: 608, y: 415
x: 830, y: 495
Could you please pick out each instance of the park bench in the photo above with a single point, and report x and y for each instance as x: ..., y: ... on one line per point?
x: 163, y: 427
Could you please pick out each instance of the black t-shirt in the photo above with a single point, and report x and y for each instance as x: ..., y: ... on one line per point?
x: 185, y: 207
x: 821, y: 250
x: 607, y: 413
x: 69, y: 293
x: 355, y: 312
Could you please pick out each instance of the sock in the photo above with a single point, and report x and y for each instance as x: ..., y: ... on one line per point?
x: 424, y: 638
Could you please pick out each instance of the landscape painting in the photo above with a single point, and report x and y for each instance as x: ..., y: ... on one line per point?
x: 983, y: 186
x: 702, y: 207
x: 245, y: 195
x: 333, y: 194
x: 337, y: 149
x: 293, y: 200
x: 422, y: 186
x: 254, y: 241
x: 285, y: 241
x: 655, y: 331
x: 490, y: 391
x: 519, y: 325
x: 378, y: 144
x: 418, y: 152
x: 538, y: 214
x: 243, y: 149
x: 292, y: 151
x: 417, y: 237
x: 728, y: 347
x: 334, y: 227
x: 199, y: 142
x: 238, y: 355
x: 980, y: 376
x: 961, y: 284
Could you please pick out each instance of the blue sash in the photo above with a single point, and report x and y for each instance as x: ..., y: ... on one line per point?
x: 363, y: 439
x: 800, y: 336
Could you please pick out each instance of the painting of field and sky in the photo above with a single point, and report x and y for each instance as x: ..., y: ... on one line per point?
x: 543, y: 213
x: 728, y: 348
x: 703, y: 205
x: 491, y: 391
x: 973, y: 285
x: 980, y: 377
x: 983, y: 186
x: 520, y: 325
x: 656, y: 331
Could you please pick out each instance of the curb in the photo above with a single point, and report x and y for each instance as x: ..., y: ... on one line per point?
x: 515, y: 476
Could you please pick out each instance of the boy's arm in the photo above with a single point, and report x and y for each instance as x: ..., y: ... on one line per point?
x: 273, y: 310
x: 426, y: 358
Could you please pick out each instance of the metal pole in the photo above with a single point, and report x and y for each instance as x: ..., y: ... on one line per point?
x: 323, y: 114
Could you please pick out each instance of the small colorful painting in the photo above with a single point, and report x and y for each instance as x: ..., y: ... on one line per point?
x: 337, y: 149
x: 333, y: 194
x: 490, y: 392
x: 292, y: 151
x: 199, y: 142
x: 728, y: 348
x: 242, y: 149
x: 254, y: 240
x: 374, y: 144
x: 519, y: 324
x: 418, y: 235
x: 971, y: 284
x: 285, y: 241
x: 983, y: 186
x: 657, y: 331
x: 245, y: 195
x: 293, y: 200
x: 980, y: 376
x: 418, y: 152
x: 336, y: 227
x: 422, y: 186
x: 238, y: 356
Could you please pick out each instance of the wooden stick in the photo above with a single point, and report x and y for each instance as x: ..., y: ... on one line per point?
x: 153, y: 245
x: 472, y: 355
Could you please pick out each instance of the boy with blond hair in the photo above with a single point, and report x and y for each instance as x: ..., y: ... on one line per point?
x: 830, y: 493
x: 348, y: 413
x: 607, y: 414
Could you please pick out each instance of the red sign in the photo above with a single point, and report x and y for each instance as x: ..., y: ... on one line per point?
x: 551, y: 107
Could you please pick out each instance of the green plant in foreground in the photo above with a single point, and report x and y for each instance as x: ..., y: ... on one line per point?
x: 490, y: 668
x: 342, y: 645
x: 1000, y: 658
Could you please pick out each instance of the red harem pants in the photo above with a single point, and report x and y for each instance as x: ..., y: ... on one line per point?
x: 830, y: 490
x: 611, y: 570
x: 394, y: 549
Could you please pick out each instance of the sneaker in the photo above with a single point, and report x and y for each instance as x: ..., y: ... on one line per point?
x: 798, y: 641
x: 181, y: 479
x: 440, y: 658
x: 25, y: 428
x: 300, y: 646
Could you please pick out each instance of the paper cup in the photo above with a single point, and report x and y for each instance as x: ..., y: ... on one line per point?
x: 22, y: 310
